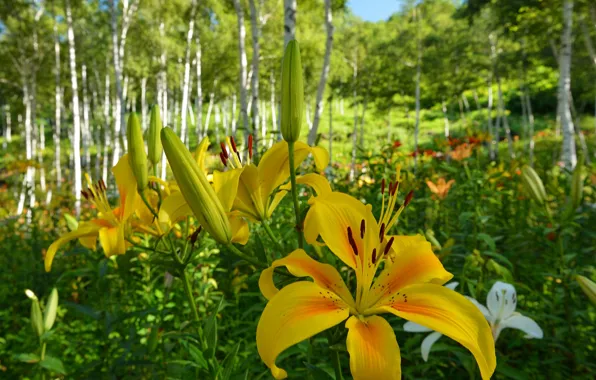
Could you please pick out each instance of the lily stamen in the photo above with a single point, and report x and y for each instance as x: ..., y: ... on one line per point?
x: 352, y: 241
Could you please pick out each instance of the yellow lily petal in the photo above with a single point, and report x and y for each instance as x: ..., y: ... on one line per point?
x: 414, y: 263
x: 276, y: 199
x: 248, y: 197
x: 112, y: 240
x: 318, y: 182
x: 448, y: 312
x: 173, y: 209
x: 84, y: 230
x: 433, y: 188
x: 225, y: 185
x: 142, y: 211
x: 321, y: 156
x: 127, y: 186
x: 201, y: 153
x: 299, y: 311
x: 374, y: 352
x: 239, y: 227
x: 302, y: 265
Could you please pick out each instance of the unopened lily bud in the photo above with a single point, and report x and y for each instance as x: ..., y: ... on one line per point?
x: 196, y: 189
x: 153, y: 137
x: 49, y: 316
x: 292, y: 93
x: 36, y: 318
x: 588, y: 286
x: 533, y: 184
x: 137, y: 158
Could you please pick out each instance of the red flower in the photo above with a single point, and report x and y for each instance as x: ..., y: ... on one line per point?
x: 396, y: 144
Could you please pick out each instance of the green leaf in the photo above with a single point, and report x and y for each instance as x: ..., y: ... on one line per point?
x: 53, y: 364
x: 27, y: 358
x: 197, y: 356
x: 229, y: 364
x: 210, y: 331
x: 71, y: 222
x: 490, y: 242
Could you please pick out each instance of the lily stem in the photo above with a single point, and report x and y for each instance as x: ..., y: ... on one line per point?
x: 191, y: 300
x: 274, y: 238
x: 142, y: 194
x: 246, y: 257
x: 295, y: 194
x: 336, y: 365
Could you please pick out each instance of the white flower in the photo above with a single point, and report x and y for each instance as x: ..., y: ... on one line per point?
x: 428, y: 342
x: 501, y: 301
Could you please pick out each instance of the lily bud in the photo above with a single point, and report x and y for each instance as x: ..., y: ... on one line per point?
x: 137, y: 158
x: 588, y: 286
x: 49, y: 316
x: 196, y: 189
x: 153, y: 138
x: 533, y: 184
x: 292, y: 93
x: 36, y: 318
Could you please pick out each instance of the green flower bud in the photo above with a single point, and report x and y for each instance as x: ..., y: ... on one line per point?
x: 49, y: 316
x: 153, y: 138
x: 533, y: 184
x: 292, y: 93
x: 588, y: 286
x: 137, y: 158
x: 36, y: 318
x: 196, y: 189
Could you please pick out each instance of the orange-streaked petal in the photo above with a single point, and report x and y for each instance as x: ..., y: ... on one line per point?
x: 83, y: 230
x: 413, y: 262
x: 449, y: 313
x: 127, y: 186
x: 302, y: 265
x: 297, y: 312
x: 112, y: 240
x: 373, y: 348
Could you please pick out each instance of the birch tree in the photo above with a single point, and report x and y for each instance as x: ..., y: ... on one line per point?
x: 290, y: 10
x: 312, y: 136
x: 199, y: 98
x: 417, y: 91
x: 185, y: 85
x: 243, y: 67
x: 58, y: 107
x: 569, y: 155
x: 255, y: 23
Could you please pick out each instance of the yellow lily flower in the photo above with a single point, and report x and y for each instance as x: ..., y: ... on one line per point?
x: 441, y: 188
x: 111, y: 225
x: 411, y: 289
x: 256, y: 186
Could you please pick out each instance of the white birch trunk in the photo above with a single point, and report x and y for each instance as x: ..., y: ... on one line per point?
x: 331, y: 133
x: 106, y: 119
x: 217, y: 122
x: 144, y: 103
x: 446, y: 119
x: 504, y: 119
x: 199, y: 98
x: 588, y: 41
x: 233, y: 119
x: 569, y: 155
x: 531, y: 125
x: 209, y: 110
x: 243, y: 65
x: 185, y: 85
x: 40, y: 151
x: 312, y: 136
x: 290, y: 10
x: 417, y: 94
x: 76, y: 142
x: 86, y: 130
x: 58, y: 109
x: 355, y: 130
x: 118, y: 96
x: 28, y: 181
x: 264, y: 123
x: 8, y: 129
x: 256, y: 35
x: 274, y: 128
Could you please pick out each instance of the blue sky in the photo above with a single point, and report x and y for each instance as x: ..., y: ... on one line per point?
x: 374, y: 10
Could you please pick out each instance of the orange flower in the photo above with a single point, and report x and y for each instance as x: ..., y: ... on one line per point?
x: 441, y: 188
x: 461, y: 152
x: 397, y: 144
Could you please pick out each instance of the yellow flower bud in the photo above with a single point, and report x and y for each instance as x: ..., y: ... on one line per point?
x: 196, y: 189
x: 588, y: 286
x: 533, y: 184
x: 49, y: 316
x: 137, y: 158
x: 153, y: 138
x: 292, y: 93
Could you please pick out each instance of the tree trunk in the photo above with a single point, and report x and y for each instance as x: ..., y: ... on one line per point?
x: 503, y: 112
x: 233, y: 118
x: 106, y: 119
x: 144, y: 103
x: 185, y: 85
x: 76, y: 142
x: 29, y: 176
x: 355, y: 130
x: 417, y: 102
x: 256, y: 35
x: 330, y: 133
x: 446, y: 119
x: 312, y: 136
x: 364, y: 106
x: 274, y: 127
x: 86, y: 130
x: 569, y: 155
x: 199, y: 99
x: 58, y: 105
x: 217, y: 122
x: 118, y: 96
x: 209, y: 110
x: 588, y: 41
x: 290, y: 10
x: 580, y: 134
x: 243, y: 65
x: 8, y: 130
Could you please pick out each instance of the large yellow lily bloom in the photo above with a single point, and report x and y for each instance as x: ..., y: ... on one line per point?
x: 111, y: 225
x: 410, y: 288
x: 256, y: 186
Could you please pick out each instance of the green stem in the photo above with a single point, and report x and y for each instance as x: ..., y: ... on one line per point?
x: 245, y: 257
x: 274, y: 238
x: 336, y: 365
x: 188, y: 291
x: 295, y: 194
x: 142, y: 194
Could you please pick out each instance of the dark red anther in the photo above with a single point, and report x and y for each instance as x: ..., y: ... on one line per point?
x: 195, y: 235
x: 250, y: 146
x: 382, y: 232
x: 233, y: 144
x: 84, y: 193
x: 352, y: 241
x: 383, y: 186
x: 374, y: 256
x: 362, y: 229
x: 409, y: 198
x: 224, y: 150
x: 223, y: 158
x: 103, y: 185
x: 389, y: 244
x: 395, y: 185
x: 90, y: 193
